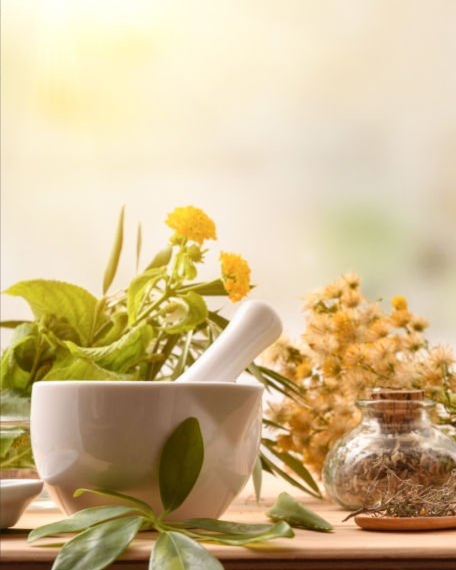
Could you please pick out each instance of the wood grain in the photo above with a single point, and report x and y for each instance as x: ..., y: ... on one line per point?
x: 348, y: 548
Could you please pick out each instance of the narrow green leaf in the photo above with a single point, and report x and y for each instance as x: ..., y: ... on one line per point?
x: 255, y: 372
x: 111, y: 268
x: 180, y: 463
x: 278, y: 530
x: 212, y: 289
x: 138, y: 245
x: 13, y: 324
x: 65, y: 301
x: 173, y: 551
x: 276, y: 470
x: 98, y: 546
x: 293, y: 463
x: 257, y: 477
x: 220, y: 321
x: 289, y: 510
x: 144, y: 507
x: 179, y: 368
x: 165, y: 353
x: 222, y: 527
x: 281, y: 380
x: 80, y: 521
x: 264, y: 464
x: 162, y: 258
x: 275, y: 425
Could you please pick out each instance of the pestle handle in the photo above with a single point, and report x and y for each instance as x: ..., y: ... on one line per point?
x: 253, y: 328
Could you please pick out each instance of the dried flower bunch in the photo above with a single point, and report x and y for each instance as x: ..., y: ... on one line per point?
x: 349, y: 347
x: 396, y: 497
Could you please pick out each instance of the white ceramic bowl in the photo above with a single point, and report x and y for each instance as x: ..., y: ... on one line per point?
x: 110, y: 434
x: 15, y: 495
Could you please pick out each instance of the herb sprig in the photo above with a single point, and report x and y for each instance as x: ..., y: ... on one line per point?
x: 105, y: 532
x: 152, y: 329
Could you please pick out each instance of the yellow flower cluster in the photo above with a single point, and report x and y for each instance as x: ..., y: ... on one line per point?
x: 191, y: 223
x: 235, y: 275
x: 349, y: 347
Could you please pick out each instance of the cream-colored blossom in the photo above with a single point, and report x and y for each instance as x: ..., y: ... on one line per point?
x: 349, y: 347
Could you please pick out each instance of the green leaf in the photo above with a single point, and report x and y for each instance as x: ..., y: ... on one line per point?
x: 63, y: 300
x: 11, y: 374
x: 173, y: 551
x: 179, y: 368
x: 139, y: 289
x: 253, y: 369
x: 111, y: 268
x: 81, y: 369
x: 270, y: 466
x: 281, y: 383
x: 144, y: 507
x: 257, y: 477
x: 196, y: 314
x: 212, y: 289
x: 165, y: 353
x: 270, y: 532
x: 162, y: 258
x: 220, y: 321
x: 122, y: 354
x: 138, y: 245
x: 25, y: 352
x: 180, y: 463
x: 293, y: 463
x: 275, y: 425
x: 98, y: 546
x: 13, y: 324
x: 223, y: 527
x: 79, y: 521
x: 289, y: 510
x: 112, y: 330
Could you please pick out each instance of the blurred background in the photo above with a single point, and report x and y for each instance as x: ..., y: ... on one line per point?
x: 319, y: 135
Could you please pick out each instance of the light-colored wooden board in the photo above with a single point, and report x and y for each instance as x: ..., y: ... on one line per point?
x: 348, y: 547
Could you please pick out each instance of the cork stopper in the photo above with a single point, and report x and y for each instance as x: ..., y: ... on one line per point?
x: 400, y: 410
x: 403, y: 395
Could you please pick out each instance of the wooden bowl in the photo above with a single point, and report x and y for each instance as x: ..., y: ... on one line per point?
x: 368, y: 522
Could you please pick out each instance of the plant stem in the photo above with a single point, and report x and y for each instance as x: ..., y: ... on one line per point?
x: 151, y: 308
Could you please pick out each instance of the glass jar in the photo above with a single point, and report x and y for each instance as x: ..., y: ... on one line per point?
x: 395, y: 433
x: 16, y: 459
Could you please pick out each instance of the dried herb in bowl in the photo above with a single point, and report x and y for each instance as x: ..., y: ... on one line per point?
x: 403, y: 498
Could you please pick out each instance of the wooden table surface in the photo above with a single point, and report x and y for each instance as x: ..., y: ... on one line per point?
x: 348, y: 547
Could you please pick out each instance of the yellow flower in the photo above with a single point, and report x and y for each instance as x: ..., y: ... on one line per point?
x: 236, y: 275
x: 191, y: 223
x: 344, y: 327
x: 401, y: 318
x: 399, y: 303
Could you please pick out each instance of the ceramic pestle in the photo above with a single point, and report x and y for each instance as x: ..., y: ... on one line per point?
x: 253, y: 328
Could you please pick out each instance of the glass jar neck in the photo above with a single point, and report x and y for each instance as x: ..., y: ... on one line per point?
x: 397, y: 415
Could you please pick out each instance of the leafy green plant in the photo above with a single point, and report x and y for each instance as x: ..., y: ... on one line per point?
x: 151, y: 330
x: 105, y: 532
